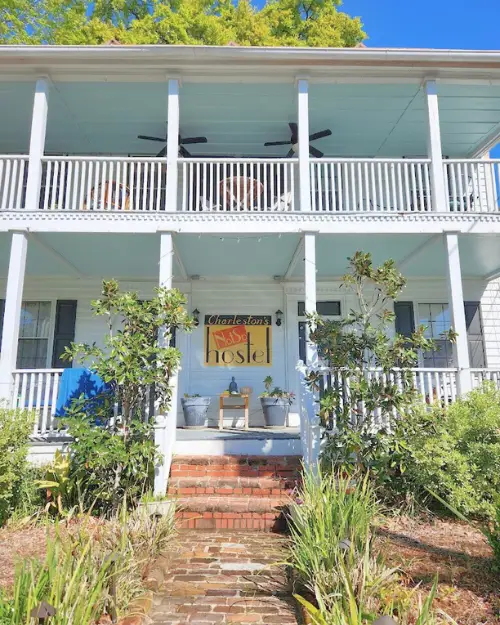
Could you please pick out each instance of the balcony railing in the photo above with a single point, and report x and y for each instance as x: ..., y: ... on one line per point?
x: 370, y: 185
x: 472, y: 185
x: 238, y: 184
x: 94, y: 183
x: 103, y: 183
x: 13, y: 175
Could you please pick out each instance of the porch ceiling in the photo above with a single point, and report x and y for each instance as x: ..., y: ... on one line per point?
x: 366, y: 120
x: 136, y: 256
x: 131, y: 256
x: 417, y: 255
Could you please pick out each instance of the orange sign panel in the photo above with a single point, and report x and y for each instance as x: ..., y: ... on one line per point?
x: 238, y: 341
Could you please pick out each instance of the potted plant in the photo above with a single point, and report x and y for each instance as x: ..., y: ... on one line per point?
x: 156, y: 505
x: 195, y: 409
x: 275, y: 404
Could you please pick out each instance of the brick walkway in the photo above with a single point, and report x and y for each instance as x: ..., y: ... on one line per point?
x: 226, y: 577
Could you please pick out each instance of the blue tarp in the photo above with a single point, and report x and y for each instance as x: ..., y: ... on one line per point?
x: 77, y: 382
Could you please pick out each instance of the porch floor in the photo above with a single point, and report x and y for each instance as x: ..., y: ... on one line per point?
x: 254, y: 433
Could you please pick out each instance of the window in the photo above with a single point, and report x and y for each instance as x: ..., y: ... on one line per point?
x: 437, y: 319
x: 326, y: 309
x: 34, y: 333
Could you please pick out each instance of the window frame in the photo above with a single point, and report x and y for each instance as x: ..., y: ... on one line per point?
x: 303, y: 318
x: 433, y: 300
x: 52, y: 323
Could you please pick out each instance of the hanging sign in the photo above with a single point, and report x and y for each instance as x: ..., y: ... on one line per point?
x: 238, y: 341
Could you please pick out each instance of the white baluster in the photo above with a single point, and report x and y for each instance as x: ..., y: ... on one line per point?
x: 53, y: 400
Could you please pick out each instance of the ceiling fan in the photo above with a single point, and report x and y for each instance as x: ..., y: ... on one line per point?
x: 294, y: 141
x: 182, y: 142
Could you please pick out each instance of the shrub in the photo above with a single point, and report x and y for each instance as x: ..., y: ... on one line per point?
x: 108, y: 462
x: 454, y: 453
x: 15, y: 427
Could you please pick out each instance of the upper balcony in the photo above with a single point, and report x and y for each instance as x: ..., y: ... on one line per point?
x: 369, y: 143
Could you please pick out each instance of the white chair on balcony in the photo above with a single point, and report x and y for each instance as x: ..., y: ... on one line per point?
x: 283, y: 203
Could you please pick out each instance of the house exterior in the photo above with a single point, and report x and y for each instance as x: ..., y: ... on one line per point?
x: 255, y: 235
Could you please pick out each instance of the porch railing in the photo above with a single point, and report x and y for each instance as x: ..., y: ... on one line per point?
x: 219, y: 184
x: 370, y: 185
x: 103, y: 183
x: 36, y: 390
x: 482, y: 375
x: 472, y: 185
x: 13, y: 174
x: 338, y: 185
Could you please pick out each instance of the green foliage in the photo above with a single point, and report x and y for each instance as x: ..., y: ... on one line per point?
x: 330, y: 522
x: 454, y: 453
x: 56, y: 481
x: 276, y: 391
x: 113, y: 455
x: 371, y: 377
x: 108, y: 461
x: 333, y: 557
x: 189, y: 22
x: 67, y: 579
x: 136, y: 355
x: 15, y: 427
x: 80, y: 563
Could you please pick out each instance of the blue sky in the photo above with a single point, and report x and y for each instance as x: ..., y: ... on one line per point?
x: 472, y: 24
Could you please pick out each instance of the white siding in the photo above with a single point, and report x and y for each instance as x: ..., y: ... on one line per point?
x: 259, y: 297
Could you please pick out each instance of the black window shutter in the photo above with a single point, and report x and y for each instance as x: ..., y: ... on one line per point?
x: 405, y: 319
x: 64, y: 332
x: 2, y: 310
x: 474, y: 327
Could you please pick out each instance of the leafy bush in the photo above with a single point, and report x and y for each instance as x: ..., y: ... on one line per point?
x: 108, y: 461
x: 454, y: 452
x: 114, y: 454
x: 15, y: 427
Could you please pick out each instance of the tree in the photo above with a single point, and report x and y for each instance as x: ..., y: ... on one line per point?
x: 317, y: 23
x: 371, y: 380
x: 113, y: 455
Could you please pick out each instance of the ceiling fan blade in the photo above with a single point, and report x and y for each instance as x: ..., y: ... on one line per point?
x: 162, y: 152
x: 190, y: 140
x: 183, y: 153
x: 151, y: 138
x: 290, y: 154
x: 320, y: 135
x: 314, y: 152
x: 277, y: 143
x: 295, y: 132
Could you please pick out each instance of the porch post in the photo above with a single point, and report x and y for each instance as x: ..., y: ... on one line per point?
x: 312, y: 427
x: 37, y: 143
x: 172, y: 143
x: 303, y: 124
x: 437, y: 191
x: 456, y: 300
x: 12, y: 313
x: 166, y: 424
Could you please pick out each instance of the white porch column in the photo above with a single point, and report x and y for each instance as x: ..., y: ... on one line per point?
x: 12, y: 312
x: 172, y: 143
x: 456, y: 300
x: 166, y: 425
x: 303, y: 123
x: 37, y: 143
x: 312, y: 429
x: 439, y: 196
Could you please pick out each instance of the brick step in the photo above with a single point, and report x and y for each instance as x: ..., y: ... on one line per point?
x: 213, y: 512
x: 287, y: 467
x: 231, y: 485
